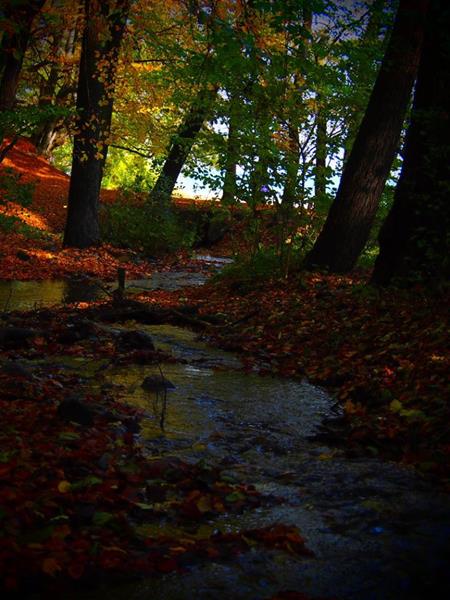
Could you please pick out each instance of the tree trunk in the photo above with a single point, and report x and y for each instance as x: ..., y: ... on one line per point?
x: 320, y: 177
x: 364, y: 75
x: 350, y: 218
x: 414, y: 239
x: 15, y: 40
x: 290, y: 184
x: 57, y: 90
x: 104, y: 28
x: 293, y: 137
x: 229, y: 181
x: 181, y: 146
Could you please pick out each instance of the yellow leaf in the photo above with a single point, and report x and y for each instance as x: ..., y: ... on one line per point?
x: 204, y: 504
x: 64, y: 487
x: 395, y: 405
x: 50, y: 567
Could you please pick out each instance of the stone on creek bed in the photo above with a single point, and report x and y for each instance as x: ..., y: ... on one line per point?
x: 156, y: 383
x: 16, y: 337
x: 134, y: 340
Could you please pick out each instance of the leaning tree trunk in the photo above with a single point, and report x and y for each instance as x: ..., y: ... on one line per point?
x: 364, y: 75
x: 351, y: 215
x: 181, y: 146
x: 103, y: 32
x: 414, y: 239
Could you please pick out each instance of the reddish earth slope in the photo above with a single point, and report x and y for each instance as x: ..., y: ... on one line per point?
x: 43, y: 256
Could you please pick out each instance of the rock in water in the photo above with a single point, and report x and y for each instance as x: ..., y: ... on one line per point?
x: 16, y: 337
x: 135, y: 340
x: 72, y: 409
x: 156, y: 383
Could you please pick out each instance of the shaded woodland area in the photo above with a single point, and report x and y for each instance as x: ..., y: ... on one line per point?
x: 315, y: 137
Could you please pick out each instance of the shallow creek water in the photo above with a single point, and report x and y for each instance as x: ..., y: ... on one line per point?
x: 377, y: 530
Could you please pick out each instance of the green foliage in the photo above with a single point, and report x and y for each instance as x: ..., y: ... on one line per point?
x: 246, y: 273
x: 128, y: 171
x: 24, y: 120
x: 62, y: 157
x: 146, y: 228
x: 12, y: 189
x: 11, y: 224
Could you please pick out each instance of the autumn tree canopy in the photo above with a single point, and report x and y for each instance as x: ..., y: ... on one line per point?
x: 268, y: 103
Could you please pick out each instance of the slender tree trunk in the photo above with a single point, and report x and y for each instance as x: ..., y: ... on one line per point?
x: 414, y: 239
x: 57, y: 90
x: 291, y: 181
x: 181, y: 146
x: 20, y: 14
x: 293, y: 151
x: 259, y: 177
x: 351, y: 215
x: 320, y: 178
x: 229, y: 181
x: 104, y: 28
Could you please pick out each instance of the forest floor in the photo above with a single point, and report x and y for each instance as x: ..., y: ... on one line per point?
x: 383, y: 354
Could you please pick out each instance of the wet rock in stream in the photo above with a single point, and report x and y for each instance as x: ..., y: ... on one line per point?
x: 73, y: 409
x: 16, y: 337
x: 134, y: 340
x: 153, y: 383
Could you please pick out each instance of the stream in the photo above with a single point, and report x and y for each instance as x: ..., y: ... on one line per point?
x: 377, y: 529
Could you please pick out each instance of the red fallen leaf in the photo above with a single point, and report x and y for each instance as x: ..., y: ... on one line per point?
x: 166, y: 565
x: 5, y: 470
x: 76, y: 570
x: 289, y: 596
x: 10, y: 582
x: 50, y: 566
x: 280, y: 536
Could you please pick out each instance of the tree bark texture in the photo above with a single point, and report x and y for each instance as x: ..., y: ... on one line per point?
x: 363, y: 75
x: 103, y: 32
x: 181, y: 146
x: 351, y: 215
x: 414, y: 239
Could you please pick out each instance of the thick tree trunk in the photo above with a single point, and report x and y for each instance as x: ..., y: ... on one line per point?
x: 364, y: 75
x: 414, y: 239
x: 15, y: 40
x: 351, y: 215
x: 104, y: 27
x: 181, y: 146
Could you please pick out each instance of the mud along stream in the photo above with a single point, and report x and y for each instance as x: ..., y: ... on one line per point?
x: 377, y: 530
